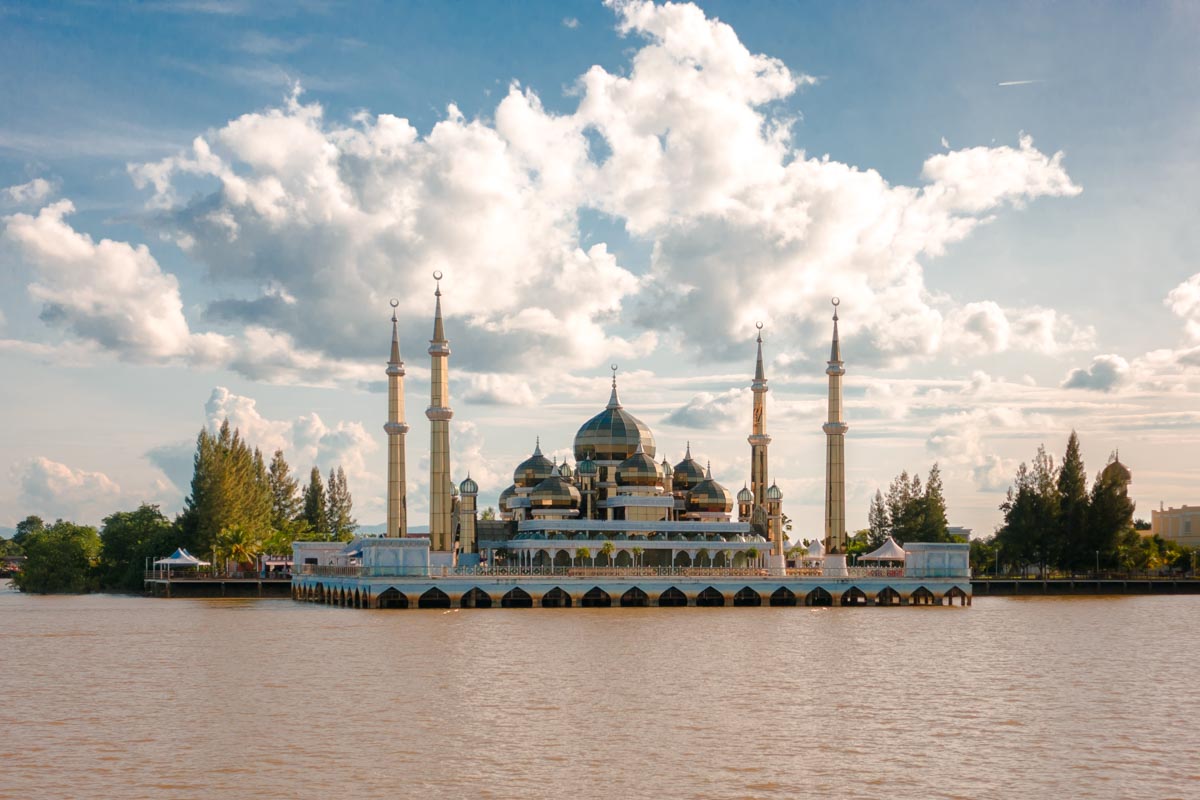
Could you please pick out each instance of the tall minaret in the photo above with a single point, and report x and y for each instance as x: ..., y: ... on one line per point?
x: 441, y: 503
x: 759, y: 440
x: 835, y: 450
x: 397, y: 494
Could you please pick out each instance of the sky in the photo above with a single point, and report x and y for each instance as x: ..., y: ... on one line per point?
x: 205, y: 207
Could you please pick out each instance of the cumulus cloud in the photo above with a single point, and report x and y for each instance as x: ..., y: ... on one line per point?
x: 52, y: 489
x: 960, y: 441
x: 1184, y: 300
x: 31, y: 193
x: 1106, y: 373
x: 709, y: 410
x: 691, y: 150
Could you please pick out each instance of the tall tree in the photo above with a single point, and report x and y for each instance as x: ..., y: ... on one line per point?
x: 339, y: 506
x: 30, y: 524
x: 315, y: 512
x: 230, y: 488
x: 286, y: 504
x: 877, y: 521
x: 1073, y: 508
x: 934, y: 525
x: 127, y: 539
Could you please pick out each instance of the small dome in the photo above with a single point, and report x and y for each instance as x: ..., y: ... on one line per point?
x: 469, y: 486
x: 453, y: 489
x: 1116, y: 472
x: 710, y: 496
x: 639, y: 470
x: 565, y: 470
x: 745, y: 496
x: 774, y: 493
x: 505, y: 496
x: 613, y: 434
x: 586, y: 468
x: 534, y: 469
x: 687, y: 472
x: 554, y: 492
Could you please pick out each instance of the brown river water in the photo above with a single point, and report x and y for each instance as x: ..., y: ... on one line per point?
x: 126, y: 697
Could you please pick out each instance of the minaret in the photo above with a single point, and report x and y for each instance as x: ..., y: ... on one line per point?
x: 835, y: 450
x: 441, y: 503
x: 758, y: 443
x: 397, y: 494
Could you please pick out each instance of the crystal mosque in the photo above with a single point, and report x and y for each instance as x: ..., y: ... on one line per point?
x: 620, y: 527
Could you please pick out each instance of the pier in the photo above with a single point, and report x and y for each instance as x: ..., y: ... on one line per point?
x: 158, y: 584
x: 1011, y: 587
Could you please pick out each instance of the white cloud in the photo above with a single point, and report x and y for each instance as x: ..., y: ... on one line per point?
x: 570, y: 22
x: 1184, y: 300
x: 31, y: 193
x: 1106, y: 373
x: 53, y: 490
x: 712, y: 410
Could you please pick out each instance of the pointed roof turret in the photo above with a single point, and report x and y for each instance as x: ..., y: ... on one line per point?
x: 835, y: 351
x: 613, y: 400
x: 395, y: 357
x: 439, y: 332
x: 760, y: 374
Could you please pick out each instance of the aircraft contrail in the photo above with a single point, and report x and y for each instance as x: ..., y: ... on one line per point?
x: 1019, y: 83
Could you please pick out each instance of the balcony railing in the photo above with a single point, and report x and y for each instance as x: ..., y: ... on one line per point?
x: 874, y: 573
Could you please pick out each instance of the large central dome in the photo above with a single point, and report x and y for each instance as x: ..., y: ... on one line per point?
x: 613, y: 435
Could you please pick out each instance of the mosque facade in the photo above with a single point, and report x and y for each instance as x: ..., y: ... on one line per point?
x: 621, y: 507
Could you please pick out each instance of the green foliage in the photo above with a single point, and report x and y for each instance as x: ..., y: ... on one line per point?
x: 1110, y: 518
x: 315, y: 509
x: 859, y: 543
x: 285, y: 493
x: 230, y: 488
x: 338, y: 507
x: 909, y: 513
x: 10, y: 547
x: 240, y: 545
x: 488, y: 513
x: 30, y: 524
x: 1071, y: 540
x: 127, y: 539
x: 59, y: 559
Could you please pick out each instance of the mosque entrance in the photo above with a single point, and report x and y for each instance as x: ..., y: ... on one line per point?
x: 556, y: 598
x: 516, y: 598
x: 710, y: 597
x: 392, y: 598
x: 635, y: 597
x: 596, y: 598
x: 747, y: 597
x: 783, y: 596
x: 434, y: 598
x: 818, y: 597
x: 672, y: 597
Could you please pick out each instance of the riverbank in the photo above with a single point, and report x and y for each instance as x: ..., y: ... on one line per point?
x: 1013, y: 587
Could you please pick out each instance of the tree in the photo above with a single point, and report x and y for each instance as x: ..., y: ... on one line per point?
x: 582, y: 553
x: 315, y: 512
x: 285, y: 492
x: 338, y: 507
x: 59, y: 559
x: 1073, y: 508
x: 1110, y: 513
x: 30, y: 524
x: 488, y: 513
x: 240, y: 545
x: 127, y: 539
x: 933, y: 525
x: 703, y: 553
x: 230, y: 487
x: 637, y: 554
x: 877, y: 521
x: 607, y: 549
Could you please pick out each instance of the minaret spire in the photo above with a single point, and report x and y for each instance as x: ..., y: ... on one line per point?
x: 439, y: 413
x: 835, y: 449
x: 759, y: 440
x: 613, y: 400
x: 396, y: 427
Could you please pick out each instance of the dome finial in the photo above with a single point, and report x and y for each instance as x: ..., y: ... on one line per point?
x: 688, y: 453
x: 393, y: 303
x: 395, y: 359
x: 439, y: 331
x: 760, y: 374
x: 537, y: 447
x: 708, y: 472
x: 613, y: 400
x: 835, y: 351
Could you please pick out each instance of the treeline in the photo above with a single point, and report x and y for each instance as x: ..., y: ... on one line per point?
x: 911, y: 512
x: 239, y: 508
x: 1055, y: 523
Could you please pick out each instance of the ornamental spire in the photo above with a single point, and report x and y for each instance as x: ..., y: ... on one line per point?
x: 537, y: 448
x: 760, y: 374
x: 613, y: 400
x: 439, y: 332
x: 395, y: 357
x: 835, y: 352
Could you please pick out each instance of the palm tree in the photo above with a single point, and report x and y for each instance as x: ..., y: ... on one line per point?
x: 239, y: 545
x: 703, y: 553
x: 607, y: 551
x: 751, y: 555
x: 637, y: 555
x: 583, y: 553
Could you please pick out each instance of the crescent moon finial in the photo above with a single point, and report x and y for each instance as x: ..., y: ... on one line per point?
x: 837, y: 301
x: 393, y: 302
x: 437, y: 274
x: 758, y: 325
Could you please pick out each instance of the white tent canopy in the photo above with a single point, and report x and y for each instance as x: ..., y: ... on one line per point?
x: 888, y: 551
x: 816, y: 549
x: 180, y: 558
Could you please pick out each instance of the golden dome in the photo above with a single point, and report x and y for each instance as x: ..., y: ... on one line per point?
x: 554, y: 492
x: 613, y: 435
x: 1116, y: 472
x: 687, y: 472
x: 534, y: 469
x: 505, y: 496
x: 710, y: 496
x: 639, y: 470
